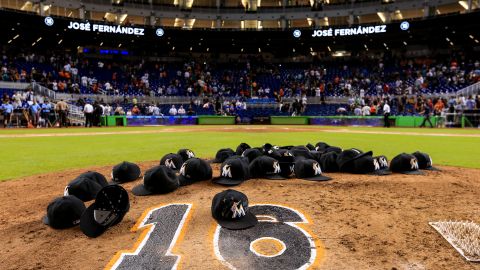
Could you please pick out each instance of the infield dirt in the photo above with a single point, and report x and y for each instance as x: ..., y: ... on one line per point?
x: 359, y: 221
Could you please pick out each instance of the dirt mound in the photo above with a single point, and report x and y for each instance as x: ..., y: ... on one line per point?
x: 356, y: 221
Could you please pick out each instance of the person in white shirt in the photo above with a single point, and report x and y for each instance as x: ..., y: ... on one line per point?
x: 386, y: 114
x: 173, y: 111
x: 366, y: 110
x: 88, y: 112
x: 181, y: 111
x: 55, y: 86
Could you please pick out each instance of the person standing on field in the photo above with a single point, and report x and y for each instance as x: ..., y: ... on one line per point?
x: 426, y: 116
x: 62, y: 109
x: 88, y: 112
x: 386, y: 114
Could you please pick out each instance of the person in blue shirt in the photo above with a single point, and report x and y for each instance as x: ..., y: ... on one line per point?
x: 7, y: 109
x: 35, y: 112
x: 46, y: 109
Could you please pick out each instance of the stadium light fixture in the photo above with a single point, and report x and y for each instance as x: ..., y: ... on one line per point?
x: 10, y: 41
x: 60, y: 41
x: 101, y: 43
x: 38, y: 39
x: 405, y: 43
x: 382, y: 16
x: 15, y: 37
x: 476, y: 40
x: 464, y: 4
x: 472, y: 37
x: 328, y: 47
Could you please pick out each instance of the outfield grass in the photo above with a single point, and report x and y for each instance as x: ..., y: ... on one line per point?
x: 34, y: 155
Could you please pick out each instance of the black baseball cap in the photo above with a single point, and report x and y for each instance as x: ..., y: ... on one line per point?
x: 346, y: 157
x: 265, y: 167
x: 125, y: 172
x: 109, y: 208
x: 157, y: 180
x: 328, y: 162
x: 369, y: 165
x: 301, y: 151
x: 241, y: 148
x: 222, y: 155
x: 405, y: 163
x: 309, y: 169
x: 86, y: 186
x: 424, y: 161
x: 310, y: 146
x: 186, y: 154
x: 173, y: 161
x: 194, y: 170
x: 381, y: 165
x: 321, y: 146
x: 233, y: 172
x: 252, y: 153
x: 64, y: 212
x: 325, y: 148
x: 96, y: 176
x: 230, y: 210
x: 287, y: 164
x: 271, y: 150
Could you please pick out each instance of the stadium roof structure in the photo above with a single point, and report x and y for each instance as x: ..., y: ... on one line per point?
x: 242, y: 14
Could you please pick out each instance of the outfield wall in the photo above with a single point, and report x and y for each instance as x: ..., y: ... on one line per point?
x: 375, y: 121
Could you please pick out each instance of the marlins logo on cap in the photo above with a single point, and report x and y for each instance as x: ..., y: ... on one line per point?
x: 230, y: 210
x: 309, y: 169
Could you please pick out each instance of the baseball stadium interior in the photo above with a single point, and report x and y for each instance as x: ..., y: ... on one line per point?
x: 274, y: 98
x: 250, y: 60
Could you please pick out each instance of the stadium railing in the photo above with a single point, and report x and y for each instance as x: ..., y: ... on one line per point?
x: 471, y: 90
x: 43, y: 91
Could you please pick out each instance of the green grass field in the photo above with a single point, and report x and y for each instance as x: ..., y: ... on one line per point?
x: 24, y: 156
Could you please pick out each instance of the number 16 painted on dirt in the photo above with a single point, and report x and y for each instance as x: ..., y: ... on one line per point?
x: 234, y: 248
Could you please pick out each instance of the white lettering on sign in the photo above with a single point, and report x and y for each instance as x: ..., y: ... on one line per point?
x: 361, y: 30
x: 114, y: 29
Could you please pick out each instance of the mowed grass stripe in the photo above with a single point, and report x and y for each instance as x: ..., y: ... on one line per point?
x: 30, y: 156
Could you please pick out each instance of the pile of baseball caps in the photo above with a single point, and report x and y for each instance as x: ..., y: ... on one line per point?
x: 110, y: 205
x: 230, y: 207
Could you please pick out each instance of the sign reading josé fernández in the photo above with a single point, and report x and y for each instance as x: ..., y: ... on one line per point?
x: 104, y: 28
x: 353, y: 31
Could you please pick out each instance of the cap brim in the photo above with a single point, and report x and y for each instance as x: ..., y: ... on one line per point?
x: 45, y: 220
x: 417, y: 172
x: 227, y: 181
x: 274, y: 177
x: 317, y: 178
x: 369, y: 153
x: 88, y: 225
x: 248, y: 221
x: 432, y: 169
x: 381, y: 172
x: 184, y: 181
x: 140, y: 190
